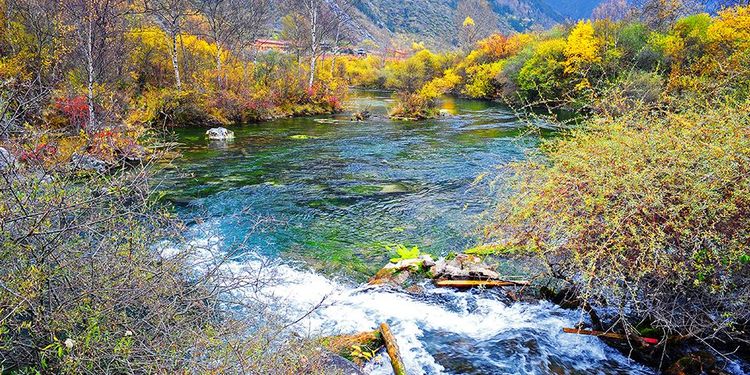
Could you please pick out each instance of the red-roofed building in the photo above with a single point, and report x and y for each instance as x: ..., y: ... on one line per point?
x: 271, y: 45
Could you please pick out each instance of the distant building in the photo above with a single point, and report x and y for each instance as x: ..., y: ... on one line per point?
x: 271, y: 45
x: 394, y: 54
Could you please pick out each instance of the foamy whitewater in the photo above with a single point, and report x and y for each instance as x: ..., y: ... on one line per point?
x: 433, y: 327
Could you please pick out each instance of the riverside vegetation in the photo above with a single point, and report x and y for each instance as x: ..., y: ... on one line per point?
x: 640, y: 209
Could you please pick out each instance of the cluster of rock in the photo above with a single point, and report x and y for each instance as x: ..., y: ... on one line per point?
x: 398, y: 273
x: 460, y: 267
x: 464, y: 267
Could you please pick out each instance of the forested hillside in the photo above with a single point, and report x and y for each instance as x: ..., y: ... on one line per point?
x: 301, y: 186
x: 438, y: 21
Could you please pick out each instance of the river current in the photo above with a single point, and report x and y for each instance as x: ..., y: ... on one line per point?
x: 325, y: 196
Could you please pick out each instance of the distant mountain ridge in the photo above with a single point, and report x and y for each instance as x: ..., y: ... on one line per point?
x: 434, y: 21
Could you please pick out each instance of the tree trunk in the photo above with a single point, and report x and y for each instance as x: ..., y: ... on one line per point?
x: 313, y: 60
x: 175, y: 64
x: 313, y: 41
x: 392, y: 348
x: 90, y: 69
x: 335, y: 49
x: 218, y: 64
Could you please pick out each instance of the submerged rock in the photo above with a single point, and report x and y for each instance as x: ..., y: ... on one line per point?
x: 300, y: 136
x: 393, y: 189
x: 464, y: 266
x: 219, y: 134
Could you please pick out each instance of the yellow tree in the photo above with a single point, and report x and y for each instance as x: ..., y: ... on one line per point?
x: 469, y: 32
x: 581, y: 51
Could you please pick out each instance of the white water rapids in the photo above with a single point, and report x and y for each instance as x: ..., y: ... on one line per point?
x: 439, y: 331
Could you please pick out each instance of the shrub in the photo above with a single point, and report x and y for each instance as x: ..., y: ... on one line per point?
x: 413, y: 106
x: 170, y: 107
x: 481, y: 80
x: 540, y: 75
x: 647, y: 214
x: 84, y: 290
x: 636, y: 90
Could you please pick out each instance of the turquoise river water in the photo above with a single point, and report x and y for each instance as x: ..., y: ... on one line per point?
x: 326, y: 196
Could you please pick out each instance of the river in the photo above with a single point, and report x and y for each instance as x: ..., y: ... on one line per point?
x: 326, y: 196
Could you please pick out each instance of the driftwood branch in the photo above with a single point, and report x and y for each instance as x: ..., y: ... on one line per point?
x: 609, y: 335
x: 392, y: 348
x: 478, y: 283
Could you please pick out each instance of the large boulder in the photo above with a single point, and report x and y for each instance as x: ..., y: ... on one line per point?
x: 464, y: 267
x: 88, y: 163
x: 8, y: 162
x: 219, y: 134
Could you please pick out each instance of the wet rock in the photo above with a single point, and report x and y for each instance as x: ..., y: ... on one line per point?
x: 8, y: 162
x: 415, y: 289
x: 88, y: 163
x: 391, y: 276
x: 464, y: 266
x: 427, y: 260
x: 219, y: 134
x: 361, y: 116
x: 341, y: 346
x: 398, y: 273
x: 134, y: 155
x: 336, y: 364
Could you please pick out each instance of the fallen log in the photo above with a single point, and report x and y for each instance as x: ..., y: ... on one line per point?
x: 392, y: 348
x: 609, y: 335
x: 478, y: 283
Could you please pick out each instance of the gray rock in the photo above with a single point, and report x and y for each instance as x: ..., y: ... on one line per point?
x: 339, y: 365
x: 88, y: 163
x: 427, y: 260
x: 219, y: 134
x: 464, y: 266
x: 407, y: 264
x: 8, y: 162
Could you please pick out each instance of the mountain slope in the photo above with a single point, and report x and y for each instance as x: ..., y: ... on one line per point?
x: 436, y: 21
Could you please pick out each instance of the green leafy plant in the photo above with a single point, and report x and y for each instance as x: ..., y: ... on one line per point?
x: 362, y: 354
x: 403, y: 252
